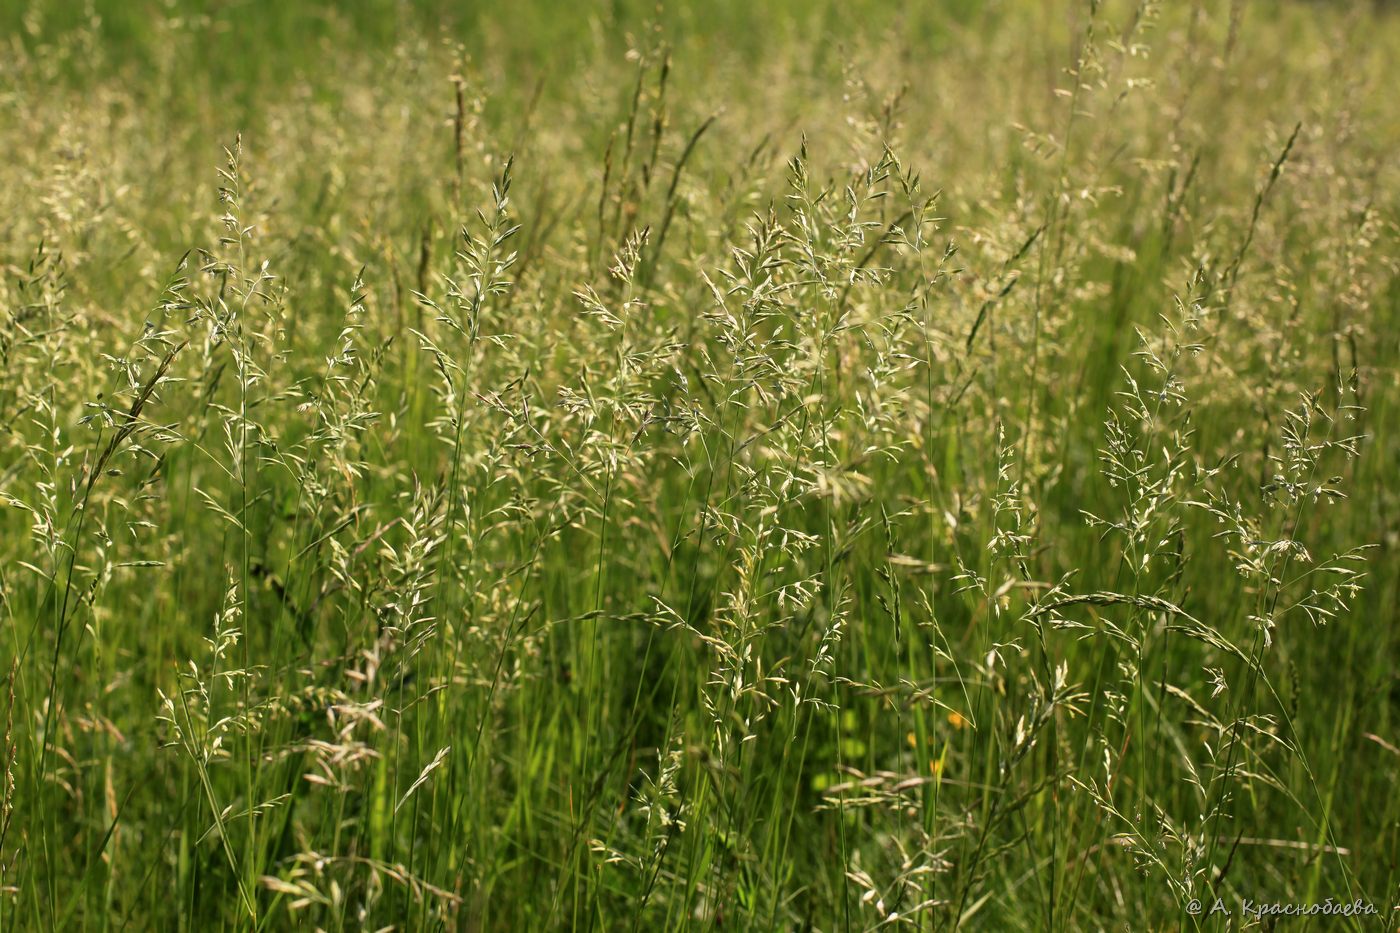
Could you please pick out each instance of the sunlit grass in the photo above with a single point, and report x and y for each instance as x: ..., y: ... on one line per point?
x: 808, y: 468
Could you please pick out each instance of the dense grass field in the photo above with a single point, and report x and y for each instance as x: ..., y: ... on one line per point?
x: 792, y: 466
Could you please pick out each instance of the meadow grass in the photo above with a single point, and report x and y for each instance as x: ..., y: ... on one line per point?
x: 826, y: 466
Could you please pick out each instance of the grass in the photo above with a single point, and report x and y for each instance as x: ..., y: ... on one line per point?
x: 823, y: 467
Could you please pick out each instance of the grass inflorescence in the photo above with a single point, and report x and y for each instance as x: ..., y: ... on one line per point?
x: 824, y: 466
